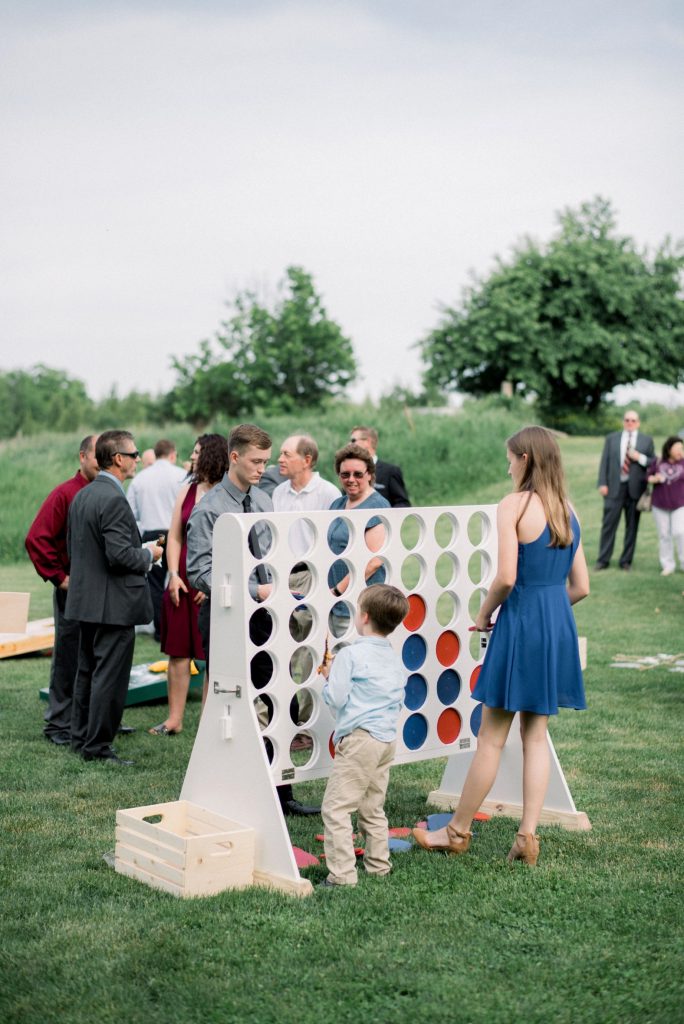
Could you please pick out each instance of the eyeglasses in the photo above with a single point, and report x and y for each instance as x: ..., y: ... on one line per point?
x: 357, y: 440
x: 630, y: 419
x: 356, y: 473
x: 131, y: 455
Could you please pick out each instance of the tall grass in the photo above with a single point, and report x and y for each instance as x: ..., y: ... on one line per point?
x: 442, y: 456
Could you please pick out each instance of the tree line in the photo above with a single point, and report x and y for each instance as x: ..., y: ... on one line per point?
x: 560, y: 323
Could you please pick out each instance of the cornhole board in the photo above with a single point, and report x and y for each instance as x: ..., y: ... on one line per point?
x: 38, y: 635
x: 145, y: 686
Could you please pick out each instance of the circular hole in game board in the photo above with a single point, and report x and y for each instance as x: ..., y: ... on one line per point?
x: 261, y: 669
x: 446, y: 569
x: 302, y: 706
x: 301, y: 579
x: 475, y: 602
x: 479, y: 566
x: 302, y: 749
x: 331, y: 745
x: 447, y: 608
x: 477, y: 645
x: 476, y: 720
x: 301, y: 622
x: 260, y: 539
x: 449, y: 725
x: 413, y: 572
x: 340, y: 534
x: 474, y: 676
x: 340, y: 618
x: 377, y: 573
x: 415, y: 693
x: 270, y: 749
x: 448, y: 686
x: 416, y: 613
x: 414, y: 652
x: 411, y: 531
x: 446, y: 529
x: 339, y: 647
x: 301, y: 537
x: 448, y: 648
x: 261, y: 626
x: 340, y: 572
x: 478, y: 528
x: 302, y: 665
x: 415, y: 731
x: 263, y: 706
x: 262, y: 582
x: 376, y: 533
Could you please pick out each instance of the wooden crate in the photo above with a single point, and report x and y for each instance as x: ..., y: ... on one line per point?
x: 183, y: 849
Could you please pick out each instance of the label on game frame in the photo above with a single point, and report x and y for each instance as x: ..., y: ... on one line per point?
x: 464, y: 744
x: 287, y: 774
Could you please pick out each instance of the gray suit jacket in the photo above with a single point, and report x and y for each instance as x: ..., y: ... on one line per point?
x: 610, y: 468
x: 107, y: 583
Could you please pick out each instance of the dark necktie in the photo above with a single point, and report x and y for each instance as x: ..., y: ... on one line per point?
x: 627, y: 463
x: 247, y: 503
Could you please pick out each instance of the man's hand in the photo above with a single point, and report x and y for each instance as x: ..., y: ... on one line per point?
x: 603, y: 491
x: 64, y: 585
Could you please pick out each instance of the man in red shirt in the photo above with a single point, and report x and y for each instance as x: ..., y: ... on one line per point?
x: 47, y: 549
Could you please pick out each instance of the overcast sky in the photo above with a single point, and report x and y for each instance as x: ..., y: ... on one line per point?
x: 160, y: 155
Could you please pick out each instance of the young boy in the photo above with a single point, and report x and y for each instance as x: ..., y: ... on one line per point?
x: 365, y: 690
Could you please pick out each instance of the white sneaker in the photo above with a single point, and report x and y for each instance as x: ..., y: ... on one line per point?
x: 667, y: 572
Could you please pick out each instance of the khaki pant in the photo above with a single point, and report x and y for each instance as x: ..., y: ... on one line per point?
x: 358, y: 783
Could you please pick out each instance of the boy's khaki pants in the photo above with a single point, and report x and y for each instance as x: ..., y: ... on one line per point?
x: 358, y: 782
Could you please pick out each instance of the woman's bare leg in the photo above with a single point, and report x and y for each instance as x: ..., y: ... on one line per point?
x: 491, y: 740
x: 178, y: 676
x: 536, y: 765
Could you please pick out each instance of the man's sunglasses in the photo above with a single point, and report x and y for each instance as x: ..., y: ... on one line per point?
x: 131, y: 455
x: 356, y: 473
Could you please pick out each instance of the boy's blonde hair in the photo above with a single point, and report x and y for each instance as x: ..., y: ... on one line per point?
x: 385, y: 606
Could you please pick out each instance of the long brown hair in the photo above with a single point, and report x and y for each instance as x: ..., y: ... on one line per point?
x: 544, y: 476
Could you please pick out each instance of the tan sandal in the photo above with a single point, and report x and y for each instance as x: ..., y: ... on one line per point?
x: 458, y: 841
x: 525, y: 848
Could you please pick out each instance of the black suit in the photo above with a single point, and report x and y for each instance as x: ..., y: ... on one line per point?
x: 622, y: 494
x: 108, y: 596
x: 389, y: 482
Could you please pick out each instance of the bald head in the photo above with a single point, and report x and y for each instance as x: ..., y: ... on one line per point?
x: 297, y: 459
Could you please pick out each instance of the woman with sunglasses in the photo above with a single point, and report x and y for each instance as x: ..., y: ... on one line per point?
x: 355, y: 469
x: 180, y: 636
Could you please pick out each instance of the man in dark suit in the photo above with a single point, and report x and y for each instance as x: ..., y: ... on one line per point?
x: 621, y: 482
x: 107, y: 596
x: 389, y: 479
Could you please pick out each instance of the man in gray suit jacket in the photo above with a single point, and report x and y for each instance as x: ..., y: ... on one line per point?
x: 621, y: 482
x: 107, y: 595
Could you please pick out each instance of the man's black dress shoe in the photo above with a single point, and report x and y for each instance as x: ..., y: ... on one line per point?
x: 626, y: 568
x: 298, y: 810
x: 599, y: 566
x: 58, y: 739
x: 110, y: 758
x: 125, y: 730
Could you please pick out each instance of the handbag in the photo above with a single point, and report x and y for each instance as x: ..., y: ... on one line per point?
x: 644, y: 502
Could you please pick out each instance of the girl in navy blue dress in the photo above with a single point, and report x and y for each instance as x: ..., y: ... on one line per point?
x: 532, y: 662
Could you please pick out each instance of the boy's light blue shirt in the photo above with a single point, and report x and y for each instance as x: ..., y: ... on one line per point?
x: 366, y: 689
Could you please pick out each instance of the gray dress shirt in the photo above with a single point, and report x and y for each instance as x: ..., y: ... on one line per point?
x: 225, y: 497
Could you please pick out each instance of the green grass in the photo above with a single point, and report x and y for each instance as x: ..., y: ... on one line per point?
x: 592, y: 935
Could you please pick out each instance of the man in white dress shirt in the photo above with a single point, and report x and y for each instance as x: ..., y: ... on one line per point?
x: 152, y: 496
x: 303, y: 489
x: 621, y: 482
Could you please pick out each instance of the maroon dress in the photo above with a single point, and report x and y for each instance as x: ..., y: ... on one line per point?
x: 180, y: 635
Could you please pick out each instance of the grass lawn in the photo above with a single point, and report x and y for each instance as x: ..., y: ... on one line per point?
x: 592, y: 935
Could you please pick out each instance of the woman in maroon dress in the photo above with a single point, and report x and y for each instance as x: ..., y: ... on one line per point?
x: 180, y: 636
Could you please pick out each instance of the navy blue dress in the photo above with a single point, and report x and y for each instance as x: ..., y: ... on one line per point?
x: 532, y: 661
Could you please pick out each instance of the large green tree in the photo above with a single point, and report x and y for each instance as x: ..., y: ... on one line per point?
x: 281, y: 360
x: 566, y: 322
x: 42, y: 398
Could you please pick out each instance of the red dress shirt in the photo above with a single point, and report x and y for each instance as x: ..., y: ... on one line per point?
x: 46, y: 539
